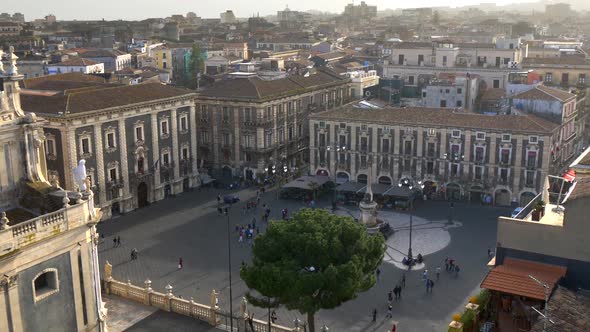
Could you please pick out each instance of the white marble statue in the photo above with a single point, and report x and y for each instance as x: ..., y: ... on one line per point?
x: 80, y: 175
x: 12, y: 69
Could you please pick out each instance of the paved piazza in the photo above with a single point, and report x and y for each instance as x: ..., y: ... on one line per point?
x: 189, y: 226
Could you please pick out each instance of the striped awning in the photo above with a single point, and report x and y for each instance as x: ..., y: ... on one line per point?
x: 570, y: 175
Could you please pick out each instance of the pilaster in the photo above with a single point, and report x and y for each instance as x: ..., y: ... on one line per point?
x: 419, y: 153
x: 102, y: 194
x: 71, y: 161
x: 155, y: 149
x: 443, y: 151
x: 123, y: 157
x: 467, y: 149
x: 174, y: 130
x: 493, y: 152
x: 236, y: 137
x: 517, y: 168
x: 193, y: 128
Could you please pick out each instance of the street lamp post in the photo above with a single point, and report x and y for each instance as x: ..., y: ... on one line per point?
x: 451, y: 206
x: 231, y: 307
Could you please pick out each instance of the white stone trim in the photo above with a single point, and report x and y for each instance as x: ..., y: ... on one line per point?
x: 49, y: 292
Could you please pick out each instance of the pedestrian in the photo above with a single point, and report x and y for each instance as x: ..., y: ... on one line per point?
x: 390, y: 296
x: 250, y: 320
x: 424, y: 275
x: 180, y: 263
x: 218, y: 199
x: 253, y: 222
x: 118, y: 241
x: 115, y: 242
x: 396, y: 291
x: 389, y: 308
x: 378, y: 272
x: 431, y: 284
x: 399, y: 292
x: 374, y: 314
x: 241, y: 239
x: 273, y: 316
x: 446, y: 264
x: 403, y: 280
x: 219, y: 210
x: 456, y: 270
x: 427, y: 285
x: 451, y: 265
x: 437, y: 273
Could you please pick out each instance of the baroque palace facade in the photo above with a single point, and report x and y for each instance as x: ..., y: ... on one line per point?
x: 463, y: 155
x: 248, y: 125
x: 48, y: 255
x: 139, y: 142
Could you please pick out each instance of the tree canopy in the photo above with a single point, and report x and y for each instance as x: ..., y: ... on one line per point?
x: 315, y: 261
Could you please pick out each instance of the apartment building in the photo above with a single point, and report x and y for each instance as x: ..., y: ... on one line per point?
x: 248, y: 125
x: 454, y: 154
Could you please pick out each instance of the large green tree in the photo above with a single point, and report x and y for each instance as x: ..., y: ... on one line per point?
x: 196, y: 65
x: 315, y: 261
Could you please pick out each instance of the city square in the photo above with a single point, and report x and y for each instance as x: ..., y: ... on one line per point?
x: 189, y: 227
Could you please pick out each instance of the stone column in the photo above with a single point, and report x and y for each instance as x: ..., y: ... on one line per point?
x: 467, y: 150
x: 236, y: 139
x: 124, y: 158
x: 14, y: 301
x: 333, y: 150
x: 193, y: 129
x: 102, y: 194
x: 155, y: 152
x: 174, y: 131
x: 396, y: 142
x: 312, y: 145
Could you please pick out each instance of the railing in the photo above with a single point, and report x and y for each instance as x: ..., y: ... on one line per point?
x: 39, y: 228
x: 212, y: 314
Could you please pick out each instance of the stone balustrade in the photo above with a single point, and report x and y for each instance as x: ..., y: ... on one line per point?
x: 168, y: 302
x: 47, y: 225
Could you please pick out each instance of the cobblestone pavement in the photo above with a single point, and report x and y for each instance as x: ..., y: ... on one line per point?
x: 189, y: 226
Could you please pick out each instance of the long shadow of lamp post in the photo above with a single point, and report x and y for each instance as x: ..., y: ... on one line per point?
x: 231, y: 307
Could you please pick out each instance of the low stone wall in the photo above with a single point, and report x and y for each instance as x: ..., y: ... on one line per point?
x: 168, y: 302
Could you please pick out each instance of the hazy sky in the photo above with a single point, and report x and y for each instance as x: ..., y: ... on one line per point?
x: 140, y: 9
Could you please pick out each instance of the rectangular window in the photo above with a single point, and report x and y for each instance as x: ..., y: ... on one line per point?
x: 478, y: 173
x: 225, y: 114
x: 342, y: 125
x: 204, y: 137
x: 430, y: 167
x: 455, y: 151
x: 322, y: 124
x: 300, y: 130
x: 281, y: 135
x: 530, y: 178
x: 184, y: 153
x: 322, y: 140
x: 531, y: 160
x: 454, y: 169
x: 342, y: 158
x: 456, y: 134
x: 459, y: 91
x: 385, y: 145
x: 50, y: 147
x: 166, y: 159
x: 290, y: 133
x: 139, y: 133
x: 164, y: 128
x: 85, y: 145
x: 268, y: 141
x: 549, y: 77
x: 430, y: 150
x: 431, y: 132
x: 408, y: 147
x: 247, y: 115
x: 363, y: 161
x: 496, y: 84
x: 459, y: 103
x: 480, y: 136
x: 342, y: 141
x: 111, y: 140
x: 225, y: 139
x: 113, y: 174
x: 505, y: 156
x: 533, y: 139
x: 247, y: 141
x: 443, y: 103
x: 479, y: 154
x: 364, y: 144
x: 506, y: 138
x: 504, y: 175
x: 407, y: 165
x: 582, y: 78
x: 183, y: 123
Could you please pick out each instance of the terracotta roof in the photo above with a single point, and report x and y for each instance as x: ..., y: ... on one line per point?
x: 65, y: 86
x: 493, y: 94
x: 512, y: 277
x: 581, y: 189
x: 75, y: 62
x: 101, y: 53
x: 439, y: 117
x: 570, y: 312
x: 257, y: 89
x: 565, y: 60
x: 30, y: 83
x: 94, y: 100
x: 542, y: 92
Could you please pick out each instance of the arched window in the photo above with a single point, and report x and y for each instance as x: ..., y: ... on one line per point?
x: 45, y: 284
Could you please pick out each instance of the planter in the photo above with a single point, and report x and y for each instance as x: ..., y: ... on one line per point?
x: 536, y: 215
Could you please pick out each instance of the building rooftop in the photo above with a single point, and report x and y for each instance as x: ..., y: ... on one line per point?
x: 99, y: 99
x: 439, y: 117
x: 570, y: 312
x: 75, y: 62
x: 493, y: 94
x: 565, y: 60
x: 100, y: 53
x: 30, y: 83
x: 542, y: 92
x: 259, y: 90
x: 512, y: 277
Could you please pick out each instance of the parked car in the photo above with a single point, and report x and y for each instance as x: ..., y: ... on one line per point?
x: 230, y: 199
x: 515, y: 212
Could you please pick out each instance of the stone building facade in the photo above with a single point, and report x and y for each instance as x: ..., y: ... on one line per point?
x: 139, y: 142
x: 459, y: 155
x: 48, y: 254
x: 248, y: 125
